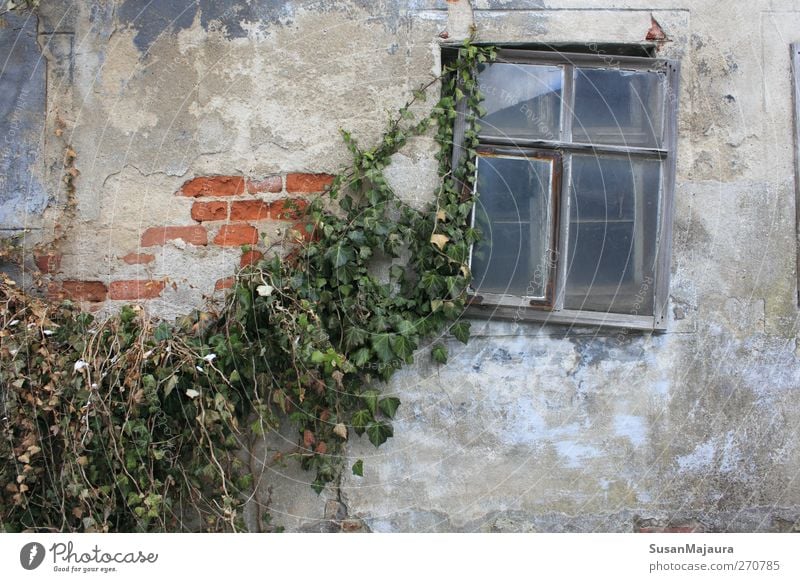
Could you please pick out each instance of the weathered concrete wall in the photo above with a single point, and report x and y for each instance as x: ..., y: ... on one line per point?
x: 22, y: 113
x: 530, y: 427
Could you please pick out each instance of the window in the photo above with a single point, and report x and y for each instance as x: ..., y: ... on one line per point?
x: 574, y: 181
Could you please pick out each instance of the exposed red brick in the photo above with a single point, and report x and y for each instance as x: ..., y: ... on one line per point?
x: 134, y: 290
x: 655, y: 32
x: 270, y: 184
x: 250, y: 258
x: 250, y: 210
x: 352, y: 525
x: 213, y: 186
x: 48, y: 263
x: 307, y: 182
x: 158, y: 235
x: 288, y: 209
x: 203, y: 211
x: 79, y: 291
x: 285, y: 209
x: 234, y: 235
x: 225, y: 283
x: 138, y: 258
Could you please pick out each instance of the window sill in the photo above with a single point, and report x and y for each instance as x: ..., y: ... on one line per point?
x: 519, y: 309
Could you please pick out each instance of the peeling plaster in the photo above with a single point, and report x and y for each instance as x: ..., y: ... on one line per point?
x: 530, y: 427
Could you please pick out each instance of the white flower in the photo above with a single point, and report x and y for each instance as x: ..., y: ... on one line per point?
x: 13, y: 322
x: 47, y: 332
x: 265, y: 290
x: 199, y: 368
x: 192, y: 393
x: 210, y: 358
x: 80, y: 365
x: 94, y: 386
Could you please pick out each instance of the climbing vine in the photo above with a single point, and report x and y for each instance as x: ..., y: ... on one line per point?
x: 133, y: 425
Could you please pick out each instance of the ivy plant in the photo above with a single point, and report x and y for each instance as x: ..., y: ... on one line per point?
x: 133, y: 425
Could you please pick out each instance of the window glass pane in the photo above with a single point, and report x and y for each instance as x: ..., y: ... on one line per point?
x: 612, y: 234
x: 513, y: 212
x: 618, y: 107
x: 521, y: 100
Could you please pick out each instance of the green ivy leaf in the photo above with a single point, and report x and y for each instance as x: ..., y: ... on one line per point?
x: 397, y: 273
x: 406, y: 328
x: 432, y: 282
x: 339, y: 255
x: 162, y: 332
x: 460, y: 331
x: 379, y: 432
x: 244, y: 297
x: 403, y: 347
x: 361, y: 357
x: 127, y: 314
x: 439, y: 353
x: 370, y: 398
x: 358, y: 468
x: 389, y: 405
x: 361, y: 418
x: 381, y: 345
x: 354, y: 336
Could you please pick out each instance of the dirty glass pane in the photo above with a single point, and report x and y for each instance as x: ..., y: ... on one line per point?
x: 618, y: 107
x: 612, y: 234
x: 513, y: 212
x: 521, y: 100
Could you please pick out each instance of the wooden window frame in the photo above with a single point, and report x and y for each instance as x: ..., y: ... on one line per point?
x: 548, y: 300
x: 522, y: 308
